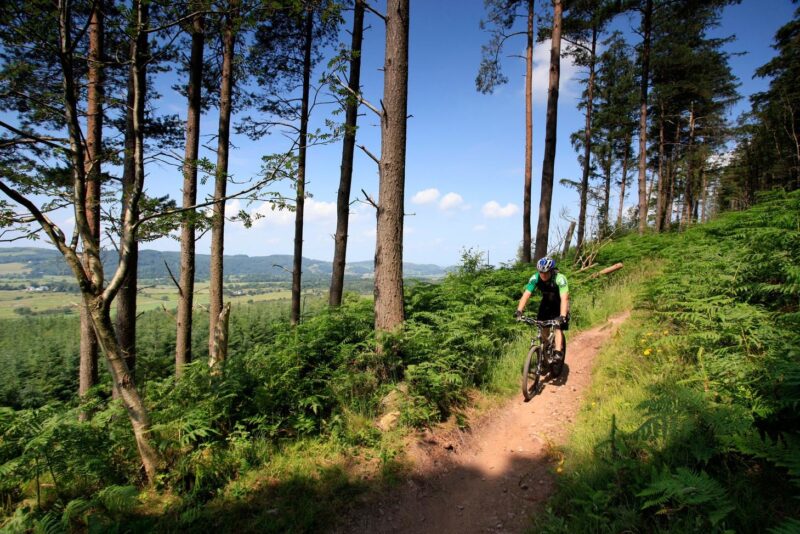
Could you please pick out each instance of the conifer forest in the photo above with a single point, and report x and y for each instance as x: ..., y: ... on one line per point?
x: 172, y: 359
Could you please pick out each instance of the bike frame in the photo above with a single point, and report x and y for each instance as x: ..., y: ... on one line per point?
x: 548, y: 344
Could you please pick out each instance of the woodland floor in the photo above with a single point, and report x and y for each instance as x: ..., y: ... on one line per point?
x: 496, y: 475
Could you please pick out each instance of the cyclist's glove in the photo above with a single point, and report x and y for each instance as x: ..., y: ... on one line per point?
x: 517, y: 315
x: 563, y: 320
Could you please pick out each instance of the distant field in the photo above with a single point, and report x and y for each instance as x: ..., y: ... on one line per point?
x: 13, y: 268
x: 15, y: 304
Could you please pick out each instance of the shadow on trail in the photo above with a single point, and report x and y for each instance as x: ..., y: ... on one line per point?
x: 561, y: 379
x: 457, y: 499
x: 450, y: 499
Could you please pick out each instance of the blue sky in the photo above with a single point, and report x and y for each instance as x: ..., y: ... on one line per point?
x: 465, y: 151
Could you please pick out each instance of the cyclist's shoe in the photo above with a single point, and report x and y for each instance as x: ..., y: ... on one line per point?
x: 557, y: 365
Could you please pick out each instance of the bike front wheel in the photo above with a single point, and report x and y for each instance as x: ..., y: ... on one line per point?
x: 531, y: 372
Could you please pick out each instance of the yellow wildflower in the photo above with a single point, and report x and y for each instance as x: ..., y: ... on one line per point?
x: 647, y: 352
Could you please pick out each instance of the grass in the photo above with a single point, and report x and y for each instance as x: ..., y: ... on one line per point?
x: 639, y: 417
x: 589, y: 308
x: 302, y: 486
x: 13, y: 268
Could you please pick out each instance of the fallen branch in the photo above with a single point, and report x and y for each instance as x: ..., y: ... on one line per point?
x: 607, y: 270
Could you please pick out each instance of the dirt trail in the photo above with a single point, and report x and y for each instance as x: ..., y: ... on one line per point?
x: 493, y: 477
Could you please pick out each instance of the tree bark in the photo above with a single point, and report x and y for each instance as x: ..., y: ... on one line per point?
x: 606, y: 222
x: 126, y: 300
x: 183, y: 341
x: 389, y: 312
x: 671, y: 171
x: 219, y: 351
x: 660, y: 204
x: 688, y: 192
x: 124, y: 385
x: 568, y: 239
x: 96, y: 297
x: 94, y: 142
x: 646, y: 30
x: 625, y: 160
x: 221, y: 181
x: 348, y: 149
x: 587, y: 142
x: 704, y: 190
x: 297, y: 264
x: 526, y: 205
x: 543, y: 228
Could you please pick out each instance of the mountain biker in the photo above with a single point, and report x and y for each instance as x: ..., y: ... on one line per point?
x: 555, y: 299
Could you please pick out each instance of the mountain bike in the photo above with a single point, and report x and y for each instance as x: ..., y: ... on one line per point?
x: 540, y: 359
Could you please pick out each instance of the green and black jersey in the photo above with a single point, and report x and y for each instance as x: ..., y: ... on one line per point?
x: 552, y: 290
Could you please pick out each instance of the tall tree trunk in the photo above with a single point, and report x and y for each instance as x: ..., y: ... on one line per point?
x: 221, y: 180
x: 122, y: 375
x: 183, y: 341
x: 94, y: 142
x: 125, y: 387
x: 671, y: 172
x: 704, y: 186
x: 660, y: 204
x: 297, y: 265
x: 348, y: 148
x: 587, y: 143
x: 646, y: 30
x: 688, y: 192
x: 625, y: 159
x: 132, y: 167
x: 606, y: 223
x: 526, y: 203
x: 96, y: 295
x: 389, y: 313
x: 543, y: 228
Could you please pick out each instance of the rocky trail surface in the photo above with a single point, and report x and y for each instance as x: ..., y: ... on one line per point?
x: 496, y: 475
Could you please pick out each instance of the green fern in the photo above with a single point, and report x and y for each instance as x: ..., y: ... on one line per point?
x: 685, y: 490
x: 789, y: 526
x: 118, y: 499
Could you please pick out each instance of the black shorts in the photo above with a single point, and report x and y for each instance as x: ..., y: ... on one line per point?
x: 547, y: 313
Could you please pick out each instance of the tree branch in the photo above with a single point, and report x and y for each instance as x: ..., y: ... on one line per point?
x: 370, y: 154
x: 358, y: 96
x: 238, y: 194
x: 35, y: 138
x: 369, y: 199
x: 374, y: 11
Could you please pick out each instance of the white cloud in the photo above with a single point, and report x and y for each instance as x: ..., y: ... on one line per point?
x: 426, y: 196
x: 494, y: 210
x: 316, y: 211
x: 570, y: 72
x: 451, y: 201
x: 232, y: 207
x: 268, y: 215
x: 479, y: 228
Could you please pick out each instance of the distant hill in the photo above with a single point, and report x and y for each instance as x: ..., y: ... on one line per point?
x: 38, y: 262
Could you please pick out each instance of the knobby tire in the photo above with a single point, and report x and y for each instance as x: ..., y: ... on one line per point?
x: 531, y: 372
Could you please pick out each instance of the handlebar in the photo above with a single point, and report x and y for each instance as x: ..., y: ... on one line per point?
x: 540, y: 324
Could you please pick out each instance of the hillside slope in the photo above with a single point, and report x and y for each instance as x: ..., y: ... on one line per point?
x: 37, y: 262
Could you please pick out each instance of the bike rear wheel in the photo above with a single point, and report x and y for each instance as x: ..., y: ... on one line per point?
x: 531, y: 372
